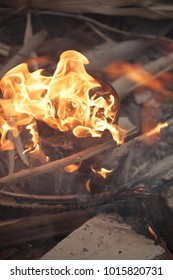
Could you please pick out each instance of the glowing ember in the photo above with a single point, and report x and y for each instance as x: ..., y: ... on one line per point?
x: 103, y: 172
x: 63, y: 101
x: 157, y: 129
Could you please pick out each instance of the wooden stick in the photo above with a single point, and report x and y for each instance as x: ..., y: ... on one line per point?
x: 23, y: 53
x: 61, y: 163
x: 127, y: 50
x: 125, y: 85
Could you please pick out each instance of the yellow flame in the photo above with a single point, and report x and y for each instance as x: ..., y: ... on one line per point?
x: 103, y: 172
x: 71, y: 168
x: 64, y: 101
x: 32, y: 127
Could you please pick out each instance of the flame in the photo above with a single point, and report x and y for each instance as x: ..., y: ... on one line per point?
x: 88, y: 188
x: 32, y: 127
x: 64, y: 101
x: 103, y: 172
x: 138, y: 75
x: 72, y: 168
x: 152, y: 232
x: 157, y: 129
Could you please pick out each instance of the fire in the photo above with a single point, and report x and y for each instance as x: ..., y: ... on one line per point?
x: 64, y: 101
x: 138, y: 75
x: 88, y: 188
x: 152, y: 232
x: 72, y: 168
x: 32, y: 127
x: 103, y: 172
x: 157, y: 129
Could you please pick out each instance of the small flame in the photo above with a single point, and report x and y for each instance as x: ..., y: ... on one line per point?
x: 103, y: 172
x: 71, y: 168
x: 32, y: 127
x: 157, y: 129
x: 63, y: 101
x: 88, y: 188
x: 152, y: 232
x: 36, y: 150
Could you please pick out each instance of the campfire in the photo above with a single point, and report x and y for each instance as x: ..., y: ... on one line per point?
x: 71, y: 104
x: 70, y: 137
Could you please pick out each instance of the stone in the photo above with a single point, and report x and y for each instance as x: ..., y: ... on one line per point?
x: 105, y: 237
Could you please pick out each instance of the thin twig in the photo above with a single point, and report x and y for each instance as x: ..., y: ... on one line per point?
x: 97, y: 31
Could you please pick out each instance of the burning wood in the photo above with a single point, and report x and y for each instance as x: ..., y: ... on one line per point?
x: 144, y: 76
x: 65, y: 128
x: 64, y: 101
x: 67, y: 101
x: 83, y: 207
x: 75, y: 158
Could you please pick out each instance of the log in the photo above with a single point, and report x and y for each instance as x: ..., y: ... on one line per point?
x: 102, y: 55
x: 75, y: 158
x: 25, y: 51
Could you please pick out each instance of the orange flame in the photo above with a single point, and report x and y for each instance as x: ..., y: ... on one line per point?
x: 139, y: 75
x: 103, y: 172
x: 152, y: 232
x: 157, y: 129
x: 88, y: 188
x: 71, y: 168
x: 63, y: 101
